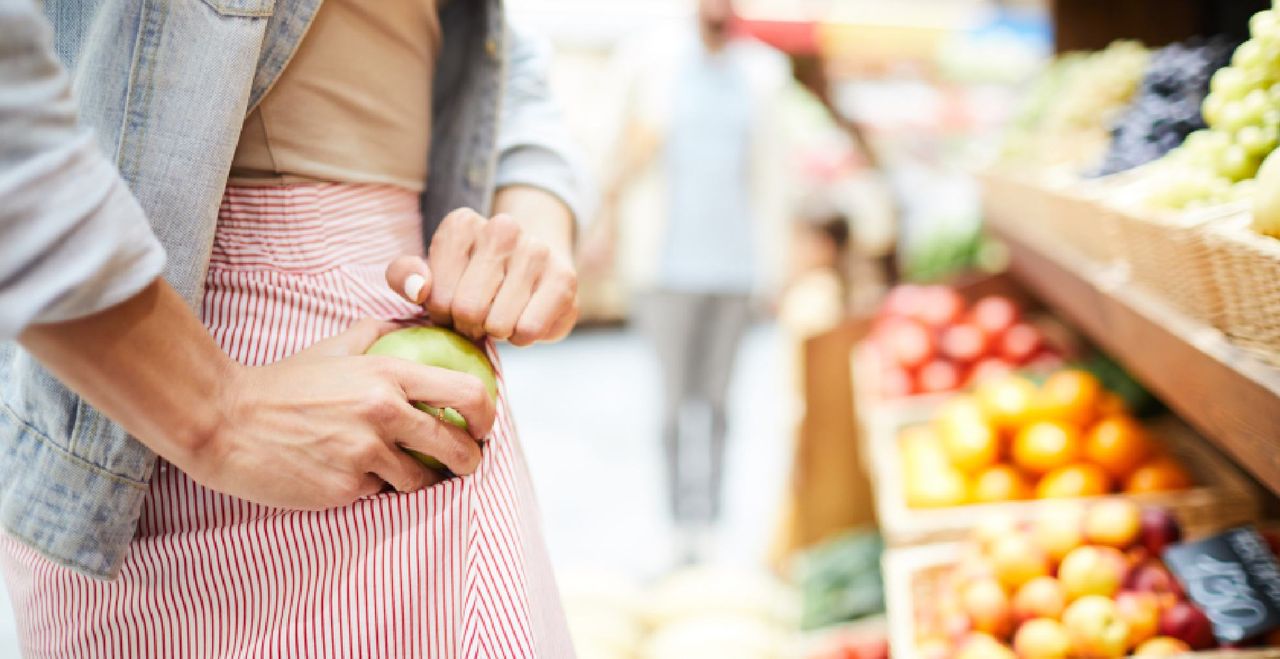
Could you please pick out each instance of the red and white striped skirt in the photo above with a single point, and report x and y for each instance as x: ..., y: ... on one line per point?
x: 455, y: 570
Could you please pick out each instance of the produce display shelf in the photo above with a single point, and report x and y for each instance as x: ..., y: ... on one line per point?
x: 1226, y: 393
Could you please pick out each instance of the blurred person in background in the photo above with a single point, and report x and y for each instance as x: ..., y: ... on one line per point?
x: 232, y: 481
x: 696, y: 133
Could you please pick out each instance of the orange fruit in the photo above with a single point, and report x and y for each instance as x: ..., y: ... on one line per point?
x: 971, y: 445
x: 960, y: 410
x: 1006, y: 401
x: 1112, y: 403
x: 1081, y: 479
x: 1160, y: 474
x: 1046, y: 445
x: 999, y: 483
x: 1069, y: 396
x: 936, y: 488
x: 1117, y: 443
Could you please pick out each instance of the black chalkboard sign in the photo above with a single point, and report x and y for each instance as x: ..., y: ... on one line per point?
x: 1233, y: 578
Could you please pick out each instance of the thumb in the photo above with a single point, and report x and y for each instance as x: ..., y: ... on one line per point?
x: 354, y: 340
x: 410, y: 278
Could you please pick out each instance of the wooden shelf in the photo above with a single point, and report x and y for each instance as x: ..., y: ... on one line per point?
x: 1226, y: 393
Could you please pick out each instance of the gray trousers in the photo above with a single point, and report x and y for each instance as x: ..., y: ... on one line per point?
x: 696, y: 337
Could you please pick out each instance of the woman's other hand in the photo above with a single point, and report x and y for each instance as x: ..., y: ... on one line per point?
x: 493, y: 277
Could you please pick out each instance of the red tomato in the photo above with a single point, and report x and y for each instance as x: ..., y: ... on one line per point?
x: 939, y: 375
x: 902, y: 301
x: 964, y: 342
x: 1020, y: 343
x: 994, y: 314
x: 939, y: 306
x: 896, y: 383
x: 910, y: 344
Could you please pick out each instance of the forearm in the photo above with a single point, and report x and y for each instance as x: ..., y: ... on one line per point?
x: 146, y: 363
x: 541, y: 214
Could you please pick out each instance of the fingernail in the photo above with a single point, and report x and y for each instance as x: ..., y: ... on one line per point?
x: 413, y: 286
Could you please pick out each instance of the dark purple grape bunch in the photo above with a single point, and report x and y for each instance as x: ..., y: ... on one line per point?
x: 1166, y: 107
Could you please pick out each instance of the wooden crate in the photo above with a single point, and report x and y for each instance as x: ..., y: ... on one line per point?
x: 911, y: 575
x: 1222, y: 495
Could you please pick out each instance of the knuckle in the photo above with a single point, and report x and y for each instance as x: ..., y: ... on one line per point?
x: 497, y: 329
x: 457, y: 217
x: 503, y: 230
x: 469, y: 310
x: 380, y: 408
x: 537, y: 254
x: 533, y: 329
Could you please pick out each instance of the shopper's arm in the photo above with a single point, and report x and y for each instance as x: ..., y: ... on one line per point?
x: 534, y: 146
x: 312, y: 431
x: 79, y: 288
x: 73, y: 240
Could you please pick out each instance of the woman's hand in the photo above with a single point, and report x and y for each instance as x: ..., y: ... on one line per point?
x: 493, y: 277
x: 316, y: 430
x: 328, y: 425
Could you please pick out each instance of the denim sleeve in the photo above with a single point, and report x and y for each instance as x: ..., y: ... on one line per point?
x: 534, y: 146
x: 73, y: 240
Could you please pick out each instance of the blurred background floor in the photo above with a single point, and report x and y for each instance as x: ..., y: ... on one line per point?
x: 588, y: 413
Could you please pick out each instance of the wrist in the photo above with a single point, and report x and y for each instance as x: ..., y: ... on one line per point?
x: 200, y: 441
x: 541, y: 214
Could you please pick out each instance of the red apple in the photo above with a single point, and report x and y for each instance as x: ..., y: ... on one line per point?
x: 1142, y: 612
x: 1159, y: 530
x: 1153, y: 577
x: 1042, y: 638
x: 987, y: 606
x: 939, y: 375
x: 964, y: 342
x: 1095, y: 628
x: 1188, y: 624
x: 994, y: 314
x: 910, y: 344
x: 1113, y: 522
x: 1092, y: 570
x: 1162, y: 646
x: 939, y: 306
x: 1041, y: 597
x: 1020, y: 343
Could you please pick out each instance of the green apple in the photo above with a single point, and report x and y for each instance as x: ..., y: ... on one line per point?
x: 442, y: 348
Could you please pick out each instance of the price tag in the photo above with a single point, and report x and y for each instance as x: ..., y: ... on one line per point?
x: 1234, y: 579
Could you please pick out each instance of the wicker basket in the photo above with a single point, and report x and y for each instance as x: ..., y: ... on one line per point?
x: 913, y: 574
x: 1075, y: 216
x: 1168, y: 255
x: 1222, y: 496
x: 1012, y: 201
x: 1246, y: 269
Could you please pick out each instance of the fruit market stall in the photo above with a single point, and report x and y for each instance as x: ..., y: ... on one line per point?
x: 1042, y: 506
x: 1160, y: 246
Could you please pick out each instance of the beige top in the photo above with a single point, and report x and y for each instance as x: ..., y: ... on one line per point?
x: 354, y: 103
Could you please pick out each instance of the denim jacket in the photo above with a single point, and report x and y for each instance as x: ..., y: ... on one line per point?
x: 166, y: 87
